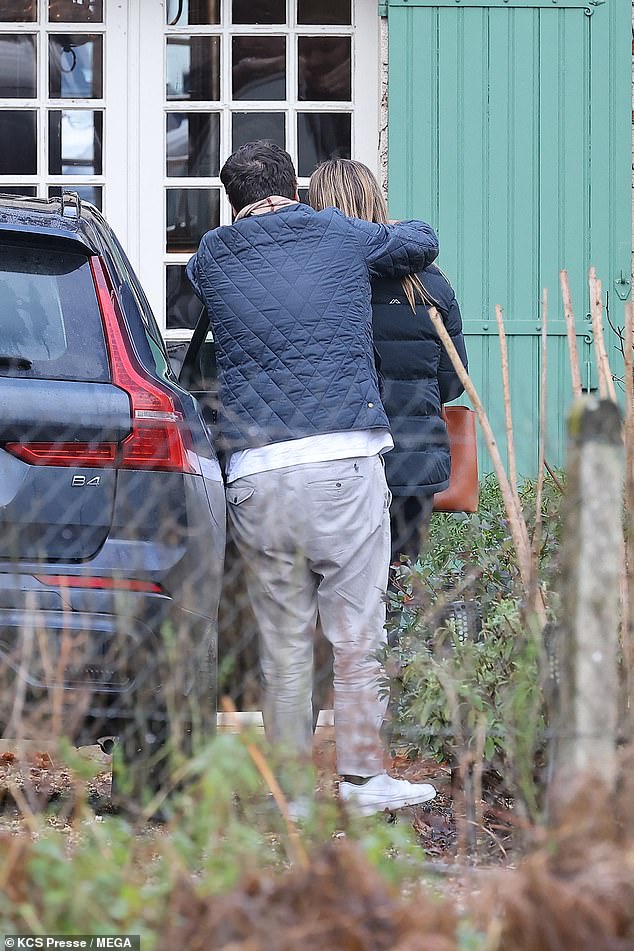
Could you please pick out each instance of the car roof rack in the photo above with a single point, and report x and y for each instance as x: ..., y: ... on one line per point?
x: 71, y: 204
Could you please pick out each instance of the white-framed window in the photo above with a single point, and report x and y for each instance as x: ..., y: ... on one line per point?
x: 304, y: 73
x: 52, y: 97
x: 136, y: 104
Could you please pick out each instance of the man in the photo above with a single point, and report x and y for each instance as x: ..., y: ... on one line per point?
x: 301, y: 423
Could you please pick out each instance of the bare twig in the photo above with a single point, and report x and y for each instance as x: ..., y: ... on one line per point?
x: 537, y: 533
x: 508, y: 415
x: 552, y: 475
x: 463, y: 796
x: 267, y: 774
x: 519, y: 532
x: 11, y: 857
x: 21, y: 801
x: 482, y: 828
x: 570, y: 334
x: 619, y: 332
x: 15, y: 726
x: 299, y: 853
x: 478, y: 765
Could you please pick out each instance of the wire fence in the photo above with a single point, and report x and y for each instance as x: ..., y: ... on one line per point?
x: 125, y: 619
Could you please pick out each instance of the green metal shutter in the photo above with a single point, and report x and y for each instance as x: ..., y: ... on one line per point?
x: 510, y: 130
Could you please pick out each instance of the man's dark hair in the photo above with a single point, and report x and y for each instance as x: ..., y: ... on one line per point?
x: 257, y: 170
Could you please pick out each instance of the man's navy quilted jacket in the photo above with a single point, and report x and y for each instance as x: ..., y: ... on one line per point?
x: 288, y: 298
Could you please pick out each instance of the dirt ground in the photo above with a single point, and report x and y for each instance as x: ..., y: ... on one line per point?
x: 574, y: 891
x: 31, y: 781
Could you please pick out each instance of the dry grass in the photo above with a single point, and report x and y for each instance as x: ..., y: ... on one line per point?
x: 338, y: 902
x: 574, y: 893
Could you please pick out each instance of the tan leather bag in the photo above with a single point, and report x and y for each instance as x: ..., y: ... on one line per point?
x: 463, y: 490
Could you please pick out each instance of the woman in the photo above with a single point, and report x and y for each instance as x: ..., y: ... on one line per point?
x: 418, y: 376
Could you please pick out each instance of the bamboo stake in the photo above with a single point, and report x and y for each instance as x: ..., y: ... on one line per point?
x: 296, y: 847
x: 570, y: 334
x: 628, y: 601
x: 609, y: 379
x: 596, y: 331
x: 537, y: 534
x: 606, y: 383
x: 519, y: 532
x: 291, y: 827
x: 508, y: 414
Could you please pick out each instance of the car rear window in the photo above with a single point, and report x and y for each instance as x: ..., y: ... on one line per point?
x: 50, y: 323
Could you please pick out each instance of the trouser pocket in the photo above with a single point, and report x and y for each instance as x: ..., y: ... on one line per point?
x: 237, y: 494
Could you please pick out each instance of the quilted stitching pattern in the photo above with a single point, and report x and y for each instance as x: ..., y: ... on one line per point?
x: 417, y: 377
x: 289, y: 303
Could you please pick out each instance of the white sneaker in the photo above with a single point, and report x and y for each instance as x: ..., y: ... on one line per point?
x: 384, y: 792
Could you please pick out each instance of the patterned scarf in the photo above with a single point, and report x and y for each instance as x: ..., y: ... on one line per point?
x: 265, y: 205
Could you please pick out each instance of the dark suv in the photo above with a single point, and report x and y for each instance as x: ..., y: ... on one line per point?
x: 112, y: 513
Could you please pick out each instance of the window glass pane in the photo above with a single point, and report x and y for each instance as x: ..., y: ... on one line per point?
x: 74, y: 146
x: 91, y: 193
x: 324, y: 12
x: 259, y: 67
x: 259, y: 11
x: 193, y: 67
x: 49, y: 313
x: 19, y: 127
x: 320, y: 136
x: 192, y: 12
x: 324, y: 67
x: 193, y: 143
x: 183, y: 307
x: 29, y: 190
x: 18, y: 70
x: 190, y: 213
x: 18, y: 11
x: 75, y: 69
x: 70, y: 11
x: 249, y: 126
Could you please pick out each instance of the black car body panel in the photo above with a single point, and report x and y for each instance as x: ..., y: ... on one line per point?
x: 112, y: 559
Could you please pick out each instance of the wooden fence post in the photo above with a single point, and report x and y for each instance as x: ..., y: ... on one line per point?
x: 586, y: 720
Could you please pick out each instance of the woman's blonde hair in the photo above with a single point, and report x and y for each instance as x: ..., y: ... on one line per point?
x: 351, y: 187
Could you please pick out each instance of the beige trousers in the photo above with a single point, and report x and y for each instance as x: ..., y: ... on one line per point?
x: 315, y: 539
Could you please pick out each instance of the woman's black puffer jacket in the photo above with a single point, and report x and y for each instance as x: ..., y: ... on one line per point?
x: 418, y: 378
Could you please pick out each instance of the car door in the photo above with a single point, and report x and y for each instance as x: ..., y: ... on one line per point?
x: 198, y: 373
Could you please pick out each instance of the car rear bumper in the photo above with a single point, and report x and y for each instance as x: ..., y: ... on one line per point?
x: 81, y: 673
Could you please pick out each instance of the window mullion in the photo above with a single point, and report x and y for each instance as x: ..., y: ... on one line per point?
x: 42, y: 112
x: 226, y: 93
x: 335, y: 131
x: 291, y: 102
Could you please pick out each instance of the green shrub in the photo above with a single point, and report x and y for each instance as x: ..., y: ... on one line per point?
x: 103, y: 874
x: 481, y: 693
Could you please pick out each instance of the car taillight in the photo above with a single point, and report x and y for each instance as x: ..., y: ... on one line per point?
x: 95, y: 583
x: 159, y: 438
x: 92, y: 455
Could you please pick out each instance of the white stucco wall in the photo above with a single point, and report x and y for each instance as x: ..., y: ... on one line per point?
x: 383, y: 108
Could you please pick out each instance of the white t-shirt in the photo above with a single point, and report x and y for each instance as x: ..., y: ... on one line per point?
x: 323, y: 448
